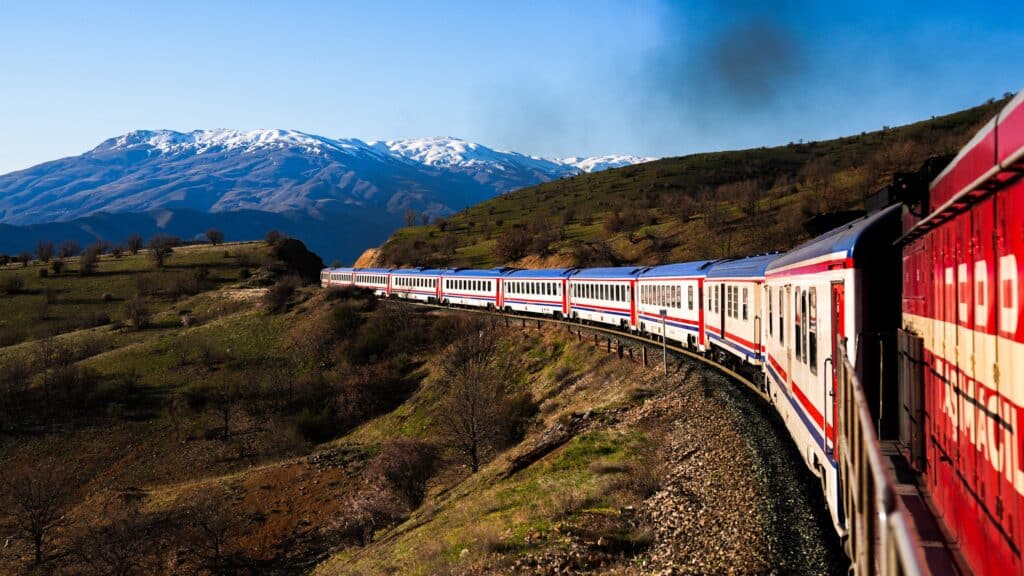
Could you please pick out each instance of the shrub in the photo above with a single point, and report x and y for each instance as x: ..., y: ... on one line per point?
x: 87, y: 261
x: 14, y: 285
x: 138, y: 312
x: 346, y: 321
x: 196, y: 395
x: 512, y: 245
x: 277, y: 296
x: 134, y: 243
x: 117, y: 251
x: 318, y: 426
x: 57, y: 265
x: 244, y: 274
x: 214, y: 236
x: 367, y: 511
x: 273, y: 237
x: 404, y: 466
x: 43, y: 272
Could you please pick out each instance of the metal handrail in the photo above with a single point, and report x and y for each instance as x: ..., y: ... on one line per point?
x: 880, y: 540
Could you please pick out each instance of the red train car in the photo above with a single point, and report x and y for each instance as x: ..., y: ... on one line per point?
x: 963, y: 247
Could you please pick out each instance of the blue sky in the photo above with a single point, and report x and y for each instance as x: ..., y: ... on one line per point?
x: 551, y: 78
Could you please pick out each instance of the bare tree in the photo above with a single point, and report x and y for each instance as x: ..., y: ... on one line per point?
x: 24, y: 257
x: 124, y: 546
x: 512, y: 245
x: 214, y: 236
x: 477, y: 395
x: 87, y: 261
x: 161, y: 247
x: 69, y: 248
x: 138, y: 312
x: 134, y: 244
x: 211, y: 529
x: 44, y: 250
x: 35, y: 500
x: 410, y: 217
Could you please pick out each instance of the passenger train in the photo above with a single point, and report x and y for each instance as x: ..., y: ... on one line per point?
x: 920, y: 297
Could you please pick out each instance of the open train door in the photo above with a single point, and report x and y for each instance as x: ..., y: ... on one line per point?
x: 838, y: 312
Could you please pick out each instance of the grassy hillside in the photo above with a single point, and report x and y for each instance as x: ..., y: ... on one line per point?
x: 277, y: 428
x: 701, y: 206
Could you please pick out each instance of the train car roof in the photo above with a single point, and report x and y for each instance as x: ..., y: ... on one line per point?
x: 697, y: 268
x: 419, y: 271
x: 472, y: 273
x: 372, y: 270
x: 751, y: 267
x: 841, y: 242
x: 342, y: 269
x: 541, y: 273
x: 609, y: 273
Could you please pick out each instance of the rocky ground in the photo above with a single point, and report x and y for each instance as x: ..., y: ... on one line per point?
x: 733, y: 495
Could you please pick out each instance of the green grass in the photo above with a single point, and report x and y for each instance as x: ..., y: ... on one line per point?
x: 68, y: 301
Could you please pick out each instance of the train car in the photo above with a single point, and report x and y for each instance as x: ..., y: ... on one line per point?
x: 422, y: 284
x: 839, y: 287
x: 537, y: 291
x: 335, y: 277
x: 604, y: 295
x: 733, y: 308
x: 678, y: 289
x: 477, y: 288
x: 376, y: 279
x: 963, y: 248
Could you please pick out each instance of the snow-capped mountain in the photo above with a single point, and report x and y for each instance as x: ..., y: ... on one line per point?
x: 599, y: 163
x: 275, y: 171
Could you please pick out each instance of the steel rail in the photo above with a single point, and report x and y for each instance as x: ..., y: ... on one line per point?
x: 605, y: 330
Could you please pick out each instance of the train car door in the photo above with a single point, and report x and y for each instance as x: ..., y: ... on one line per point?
x: 632, y: 306
x: 700, y: 311
x: 722, y: 301
x: 838, y: 312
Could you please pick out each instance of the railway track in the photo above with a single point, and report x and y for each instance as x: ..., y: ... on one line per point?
x: 610, y: 333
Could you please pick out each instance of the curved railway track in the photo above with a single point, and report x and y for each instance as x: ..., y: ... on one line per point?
x: 611, y: 332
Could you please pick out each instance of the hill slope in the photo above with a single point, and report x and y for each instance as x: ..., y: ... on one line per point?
x: 709, y: 205
x: 263, y: 438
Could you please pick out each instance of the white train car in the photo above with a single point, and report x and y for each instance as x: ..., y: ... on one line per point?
x: 477, y: 288
x: 604, y: 295
x: 336, y: 277
x: 419, y: 284
x: 376, y: 279
x: 734, y: 320
x: 835, y: 288
x: 537, y: 291
x: 678, y: 289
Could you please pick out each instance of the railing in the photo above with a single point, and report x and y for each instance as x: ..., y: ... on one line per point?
x: 879, y: 540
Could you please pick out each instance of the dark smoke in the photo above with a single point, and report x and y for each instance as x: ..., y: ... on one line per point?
x: 722, y: 63
x: 752, y: 61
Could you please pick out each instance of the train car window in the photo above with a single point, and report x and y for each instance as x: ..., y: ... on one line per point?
x: 771, y: 312
x: 744, y: 302
x: 797, y: 334
x: 689, y: 297
x: 812, y: 330
x: 803, y: 313
x: 782, y: 322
